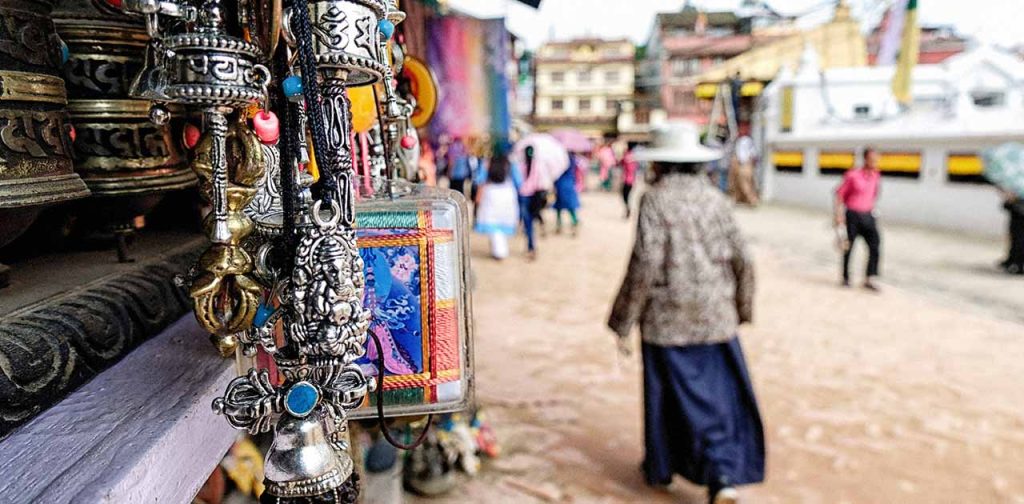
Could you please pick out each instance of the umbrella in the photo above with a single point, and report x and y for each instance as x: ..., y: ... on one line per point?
x: 573, y: 140
x: 550, y: 161
x: 1004, y: 167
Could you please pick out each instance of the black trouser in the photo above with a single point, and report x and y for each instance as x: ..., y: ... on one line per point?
x: 1016, y: 254
x: 862, y: 224
x: 458, y: 185
x: 627, y: 189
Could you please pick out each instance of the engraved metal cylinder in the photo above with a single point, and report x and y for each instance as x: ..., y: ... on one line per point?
x: 212, y: 69
x: 118, y: 149
x: 35, y: 154
x: 345, y: 38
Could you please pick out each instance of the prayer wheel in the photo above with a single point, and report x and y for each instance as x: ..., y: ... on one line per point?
x: 122, y: 151
x: 35, y: 146
x: 346, y: 38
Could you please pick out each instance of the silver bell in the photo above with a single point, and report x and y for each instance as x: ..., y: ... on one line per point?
x: 301, y: 461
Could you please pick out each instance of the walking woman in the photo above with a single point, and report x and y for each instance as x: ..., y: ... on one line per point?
x: 566, y: 198
x: 497, y: 206
x: 532, y: 200
x: 688, y: 286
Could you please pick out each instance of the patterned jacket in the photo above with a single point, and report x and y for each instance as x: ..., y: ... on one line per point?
x: 690, y: 280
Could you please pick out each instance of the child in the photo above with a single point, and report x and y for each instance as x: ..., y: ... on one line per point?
x: 498, y: 206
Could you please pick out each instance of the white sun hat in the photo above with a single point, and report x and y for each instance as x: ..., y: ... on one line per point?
x: 677, y: 142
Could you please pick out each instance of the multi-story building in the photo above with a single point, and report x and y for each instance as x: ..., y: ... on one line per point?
x: 581, y: 84
x: 689, y: 42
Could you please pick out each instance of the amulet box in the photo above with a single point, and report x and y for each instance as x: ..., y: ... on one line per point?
x: 414, y: 244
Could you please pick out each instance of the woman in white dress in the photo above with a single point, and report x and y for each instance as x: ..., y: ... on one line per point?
x: 498, y: 206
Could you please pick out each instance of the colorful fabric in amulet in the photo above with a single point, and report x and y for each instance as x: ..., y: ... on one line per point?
x: 410, y: 290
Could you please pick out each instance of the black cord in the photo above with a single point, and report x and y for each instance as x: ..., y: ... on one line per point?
x: 290, y: 128
x: 380, y: 404
x: 303, y: 28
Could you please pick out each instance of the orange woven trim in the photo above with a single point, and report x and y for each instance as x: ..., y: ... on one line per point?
x: 426, y: 292
x: 428, y: 248
x: 407, y: 382
x: 400, y: 241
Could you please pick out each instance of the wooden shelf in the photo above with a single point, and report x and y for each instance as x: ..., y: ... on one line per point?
x: 142, y: 431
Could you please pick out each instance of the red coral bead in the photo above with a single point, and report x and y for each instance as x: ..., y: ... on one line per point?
x: 191, y: 135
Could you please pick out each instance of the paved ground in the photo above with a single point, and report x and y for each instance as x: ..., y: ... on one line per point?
x: 911, y: 395
x: 954, y: 268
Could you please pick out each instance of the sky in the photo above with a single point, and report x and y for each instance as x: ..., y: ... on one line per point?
x: 991, y: 21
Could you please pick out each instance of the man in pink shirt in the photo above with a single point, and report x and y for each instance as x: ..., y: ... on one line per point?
x: 854, y: 207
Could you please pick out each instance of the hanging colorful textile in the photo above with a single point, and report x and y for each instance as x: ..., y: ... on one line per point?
x: 469, y: 57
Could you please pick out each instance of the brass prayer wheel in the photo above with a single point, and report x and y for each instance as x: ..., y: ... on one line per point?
x: 119, y: 149
x: 35, y: 153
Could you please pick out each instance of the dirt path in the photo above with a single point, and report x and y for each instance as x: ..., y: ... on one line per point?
x: 896, y: 397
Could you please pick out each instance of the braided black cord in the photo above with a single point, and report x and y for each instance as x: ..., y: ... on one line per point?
x: 290, y: 125
x: 303, y: 29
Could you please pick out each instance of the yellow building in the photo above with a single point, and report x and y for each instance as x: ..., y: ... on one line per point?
x: 581, y: 84
x: 838, y: 44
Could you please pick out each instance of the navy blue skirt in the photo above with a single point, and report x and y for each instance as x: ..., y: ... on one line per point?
x: 701, y: 419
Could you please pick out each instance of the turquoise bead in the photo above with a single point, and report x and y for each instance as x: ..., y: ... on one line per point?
x: 387, y: 28
x: 292, y: 86
x: 65, y: 53
x: 263, y: 313
x: 301, y: 399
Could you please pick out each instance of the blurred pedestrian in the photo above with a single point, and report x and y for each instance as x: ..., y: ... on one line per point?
x: 582, y: 163
x: 497, y: 205
x: 459, y: 169
x: 629, y: 168
x: 479, y: 163
x: 1014, y: 263
x: 566, y: 198
x: 427, y: 167
x: 854, y: 208
x: 689, y: 285
x: 741, y: 172
x: 605, y: 162
x: 444, y: 143
x: 532, y: 200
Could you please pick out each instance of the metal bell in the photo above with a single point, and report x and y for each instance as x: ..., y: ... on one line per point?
x: 301, y: 461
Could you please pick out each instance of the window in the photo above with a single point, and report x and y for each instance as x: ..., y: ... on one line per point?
x: 611, y: 105
x: 965, y: 167
x: 680, y: 67
x: 558, y: 104
x: 584, y: 104
x: 685, y: 67
x: 611, y: 76
x: 557, y: 77
x: 900, y: 164
x: 584, y: 77
x: 614, y: 51
x: 988, y: 98
x: 835, y: 162
x: 683, y: 100
x: 788, y: 161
